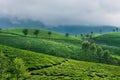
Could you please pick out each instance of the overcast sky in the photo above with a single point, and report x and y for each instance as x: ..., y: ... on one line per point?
x: 59, y: 12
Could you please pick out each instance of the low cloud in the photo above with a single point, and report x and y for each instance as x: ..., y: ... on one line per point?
x: 60, y: 12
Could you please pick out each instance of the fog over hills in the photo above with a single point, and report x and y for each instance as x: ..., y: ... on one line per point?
x: 64, y: 12
x: 71, y: 29
x: 19, y: 23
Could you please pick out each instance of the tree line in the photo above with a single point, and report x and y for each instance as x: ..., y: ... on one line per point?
x: 37, y: 32
x: 95, y: 53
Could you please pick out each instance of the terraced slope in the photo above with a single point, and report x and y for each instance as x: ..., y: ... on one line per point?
x: 112, y: 39
x: 40, y: 45
x: 78, y: 70
x: 45, y: 67
x: 109, y: 41
x: 33, y: 60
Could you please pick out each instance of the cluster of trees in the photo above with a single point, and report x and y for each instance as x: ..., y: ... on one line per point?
x: 36, y: 32
x: 116, y: 30
x: 25, y: 32
x: 95, y: 53
x: 12, y: 69
x: 87, y: 36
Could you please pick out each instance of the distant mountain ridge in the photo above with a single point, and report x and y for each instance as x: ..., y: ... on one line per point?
x: 78, y: 29
x: 20, y: 23
x: 71, y: 29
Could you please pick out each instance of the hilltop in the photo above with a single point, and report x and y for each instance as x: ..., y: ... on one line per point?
x: 42, y: 33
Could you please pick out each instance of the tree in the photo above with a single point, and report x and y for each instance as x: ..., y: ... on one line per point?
x: 91, y: 32
x: 36, y: 32
x: 67, y: 34
x: 49, y: 33
x: 76, y: 35
x: 113, y: 30
x: 85, y: 45
x: 0, y: 29
x: 106, y: 56
x: 82, y: 36
x: 117, y: 29
x: 93, y: 48
x: 25, y: 32
x: 99, y: 53
x: 87, y: 35
x: 19, y: 69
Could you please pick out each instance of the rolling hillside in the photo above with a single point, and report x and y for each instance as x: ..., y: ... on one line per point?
x: 68, y: 47
x: 112, y: 39
x: 109, y: 41
x: 44, y: 67
x: 48, y: 46
x: 37, y: 53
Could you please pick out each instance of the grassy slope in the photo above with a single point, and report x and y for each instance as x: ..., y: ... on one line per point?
x: 32, y: 59
x: 78, y: 70
x: 45, y: 67
x: 58, y: 48
x: 110, y: 41
x: 40, y: 45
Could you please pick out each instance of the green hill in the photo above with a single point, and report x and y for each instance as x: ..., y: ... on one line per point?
x: 112, y: 39
x: 63, y: 49
x: 32, y: 59
x: 45, y: 67
x: 109, y: 41
x: 42, y: 34
x: 36, y: 53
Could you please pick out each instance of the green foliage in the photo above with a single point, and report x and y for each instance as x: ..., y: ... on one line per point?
x: 106, y: 56
x: 100, y: 53
x: 43, y: 34
x: 95, y: 53
x: 110, y: 39
x: 25, y: 32
x: 85, y: 45
x: 61, y: 49
x: 19, y: 69
x: 49, y: 33
x: 93, y: 48
x: 67, y: 34
x: 33, y: 60
x: 16, y: 68
x: 78, y: 70
x: 36, y: 32
x: 44, y: 67
x: 3, y: 67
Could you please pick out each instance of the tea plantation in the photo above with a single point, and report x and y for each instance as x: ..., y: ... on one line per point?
x: 53, y: 56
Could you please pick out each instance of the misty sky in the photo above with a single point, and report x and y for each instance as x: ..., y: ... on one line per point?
x: 59, y: 12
